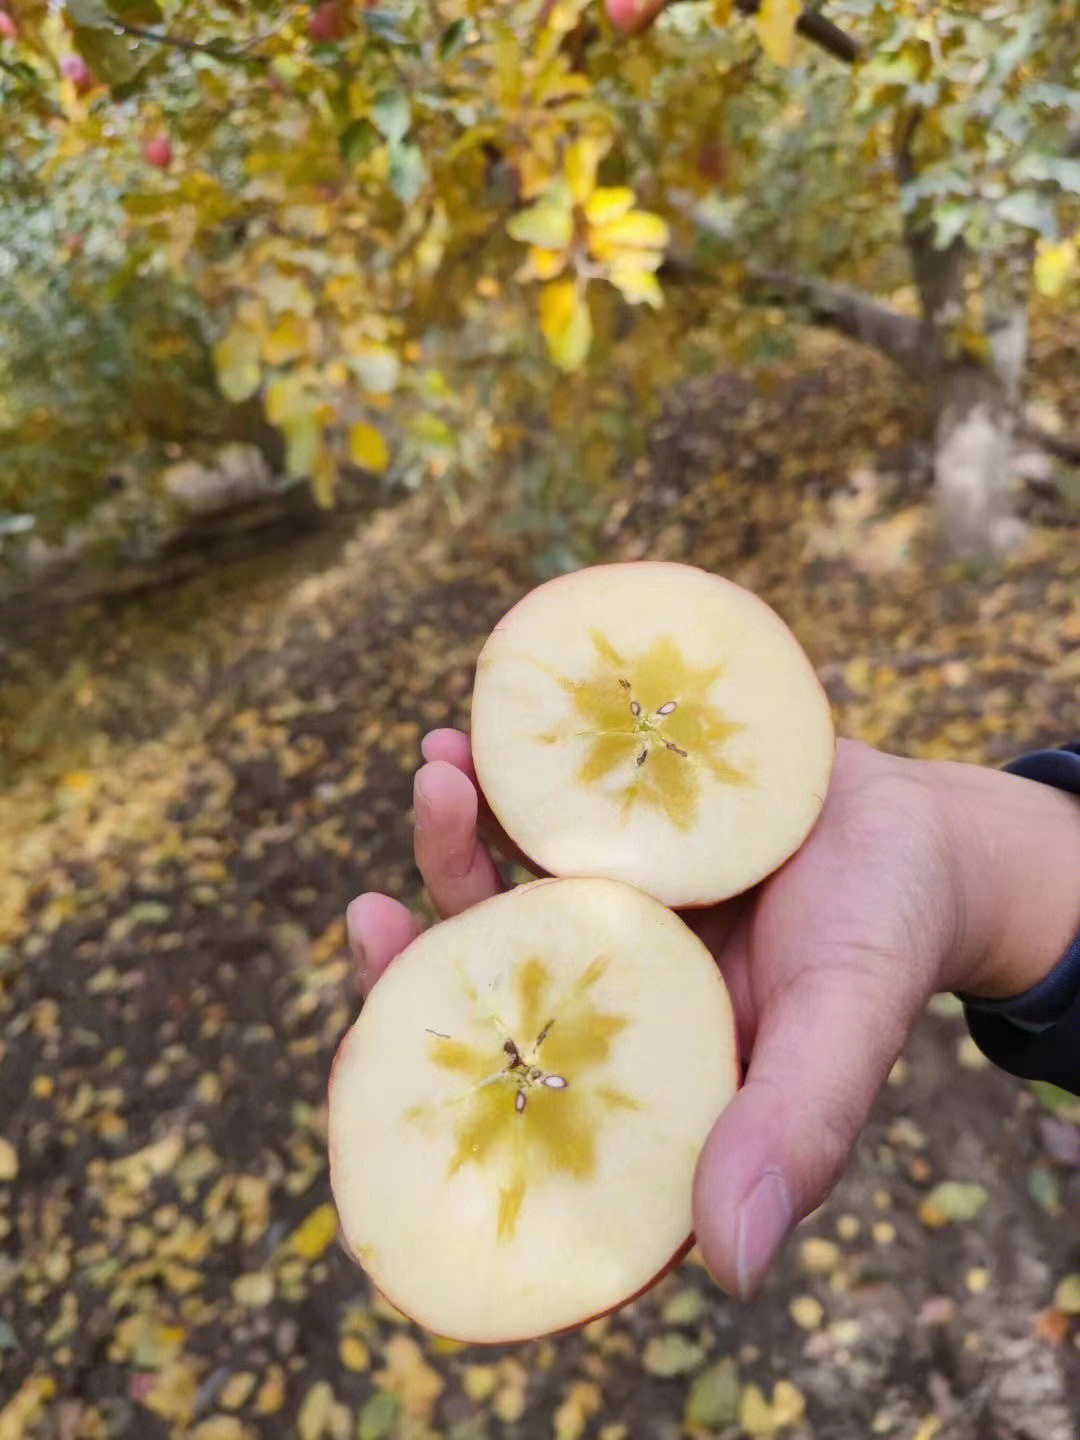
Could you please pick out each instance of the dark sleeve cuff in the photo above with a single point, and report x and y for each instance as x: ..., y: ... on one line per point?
x: 1036, y: 1035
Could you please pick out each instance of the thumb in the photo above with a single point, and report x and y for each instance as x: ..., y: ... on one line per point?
x: 823, y: 1050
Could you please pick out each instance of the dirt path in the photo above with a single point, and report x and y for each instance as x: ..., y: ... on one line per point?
x: 232, y: 765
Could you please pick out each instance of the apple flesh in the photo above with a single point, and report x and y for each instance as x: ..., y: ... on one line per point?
x: 651, y: 723
x: 516, y: 1116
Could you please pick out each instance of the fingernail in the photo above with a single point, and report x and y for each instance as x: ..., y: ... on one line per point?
x: 764, y: 1221
x: 421, y: 803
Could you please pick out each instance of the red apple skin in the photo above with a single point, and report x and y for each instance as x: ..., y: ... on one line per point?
x: 633, y: 15
x: 75, y: 69
x: 8, y: 29
x: 677, y: 1259
x: 158, y: 152
x: 327, y: 22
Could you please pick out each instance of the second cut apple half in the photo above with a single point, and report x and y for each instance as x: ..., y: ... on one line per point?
x: 517, y: 1114
x: 652, y: 723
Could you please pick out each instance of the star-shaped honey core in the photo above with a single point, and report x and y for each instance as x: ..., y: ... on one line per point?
x: 650, y: 722
x: 532, y: 1106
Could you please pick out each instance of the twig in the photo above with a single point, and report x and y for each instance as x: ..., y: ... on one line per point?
x: 178, y: 42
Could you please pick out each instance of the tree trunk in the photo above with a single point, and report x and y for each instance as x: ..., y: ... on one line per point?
x: 972, y: 445
x: 976, y: 395
x: 977, y: 400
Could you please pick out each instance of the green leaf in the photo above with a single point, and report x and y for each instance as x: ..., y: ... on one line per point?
x: 454, y: 38
x: 114, y: 58
x: 549, y: 223
x: 93, y: 14
x: 714, y: 1396
x: 392, y: 115
x: 357, y: 141
x: 1051, y: 170
x: 408, y: 172
x: 1029, y: 209
x: 1044, y: 1187
x: 379, y: 1416
x: 955, y: 1201
x: 1056, y: 1100
x: 671, y: 1354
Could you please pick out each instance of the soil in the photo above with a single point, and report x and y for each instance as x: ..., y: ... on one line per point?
x: 198, y: 781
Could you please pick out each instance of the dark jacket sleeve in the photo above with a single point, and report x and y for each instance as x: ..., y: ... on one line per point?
x: 1036, y: 1035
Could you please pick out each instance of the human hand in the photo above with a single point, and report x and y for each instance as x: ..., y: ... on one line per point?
x: 915, y: 878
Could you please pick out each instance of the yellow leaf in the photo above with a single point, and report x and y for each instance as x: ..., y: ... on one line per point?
x: 542, y: 264
x: 583, y: 155
x: 287, y: 340
x: 368, y: 447
x: 324, y: 477
x: 408, y: 1376
x: 788, y: 1403
x: 1054, y: 264
x: 566, y: 323
x: 1067, y: 1295
x: 755, y: 1412
x: 722, y: 11
x: 316, y: 1234
x: 284, y: 398
x: 302, y: 435
x: 25, y: 1406
x: 313, y: 222
x: 775, y: 25
x: 549, y: 223
x: 639, y: 228
x: 288, y: 292
x: 608, y: 202
x: 9, y: 1160
x: 236, y: 359
x: 637, y: 285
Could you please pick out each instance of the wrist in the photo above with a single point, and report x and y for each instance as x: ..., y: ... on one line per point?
x: 1015, y: 850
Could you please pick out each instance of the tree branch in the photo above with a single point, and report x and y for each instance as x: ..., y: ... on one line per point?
x: 902, y: 338
x: 812, y: 25
x: 178, y: 42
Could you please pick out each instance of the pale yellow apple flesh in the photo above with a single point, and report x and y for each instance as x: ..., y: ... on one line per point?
x: 516, y: 1116
x: 651, y: 723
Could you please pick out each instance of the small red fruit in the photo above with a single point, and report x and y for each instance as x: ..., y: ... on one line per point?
x: 158, y: 152
x: 8, y: 29
x: 75, y: 69
x: 327, y: 22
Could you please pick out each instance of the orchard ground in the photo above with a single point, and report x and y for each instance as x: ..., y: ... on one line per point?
x: 197, y: 783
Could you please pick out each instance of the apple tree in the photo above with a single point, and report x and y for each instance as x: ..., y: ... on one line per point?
x: 411, y: 224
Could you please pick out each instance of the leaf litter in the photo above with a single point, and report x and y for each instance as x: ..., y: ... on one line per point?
x: 174, y: 977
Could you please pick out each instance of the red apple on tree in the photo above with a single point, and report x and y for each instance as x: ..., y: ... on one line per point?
x: 75, y: 69
x: 157, y: 151
x: 8, y: 29
x: 327, y: 22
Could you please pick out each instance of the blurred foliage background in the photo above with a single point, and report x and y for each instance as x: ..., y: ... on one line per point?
x: 379, y: 240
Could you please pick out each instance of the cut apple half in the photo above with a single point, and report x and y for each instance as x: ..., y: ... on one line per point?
x: 516, y: 1116
x: 651, y: 723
